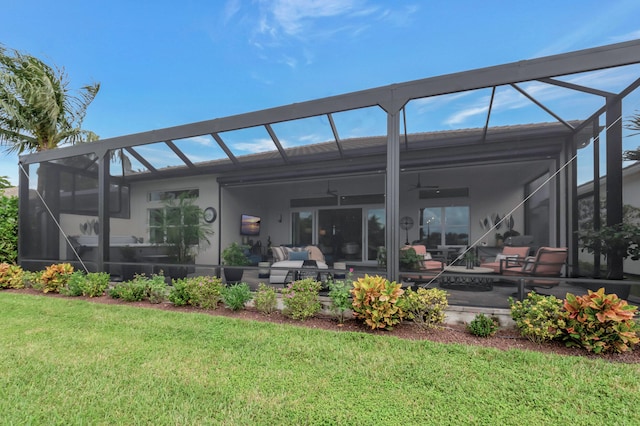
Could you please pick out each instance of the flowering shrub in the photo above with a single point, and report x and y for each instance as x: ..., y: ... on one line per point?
x: 539, y: 318
x: 375, y: 300
x: 265, y: 299
x: 600, y: 322
x: 11, y: 276
x: 55, y: 277
x: 425, y: 307
x: 300, y: 298
x: 203, y: 292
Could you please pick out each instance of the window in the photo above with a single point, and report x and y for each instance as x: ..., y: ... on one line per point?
x: 444, y: 225
x: 173, y: 195
x: 171, y: 224
x: 79, y: 195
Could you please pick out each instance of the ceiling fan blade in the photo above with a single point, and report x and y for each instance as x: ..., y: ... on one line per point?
x: 333, y: 192
x: 419, y: 185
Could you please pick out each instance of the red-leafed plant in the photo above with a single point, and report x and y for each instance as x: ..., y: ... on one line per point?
x: 375, y: 300
x: 55, y: 277
x: 600, y: 322
x: 11, y: 276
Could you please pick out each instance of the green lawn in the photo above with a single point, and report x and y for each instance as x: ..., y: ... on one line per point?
x: 66, y: 361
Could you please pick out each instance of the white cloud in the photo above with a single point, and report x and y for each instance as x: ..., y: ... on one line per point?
x: 256, y: 145
x: 461, y: 116
x: 292, y: 16
x: 200, y: 140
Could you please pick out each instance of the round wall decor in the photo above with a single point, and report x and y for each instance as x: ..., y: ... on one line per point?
x: 210, y: 215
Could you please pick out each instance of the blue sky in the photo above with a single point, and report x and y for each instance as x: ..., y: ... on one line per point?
x: 164, y: 63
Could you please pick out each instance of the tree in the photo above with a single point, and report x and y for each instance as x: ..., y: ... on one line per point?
x: 37, y: 109
x: 4, y: 183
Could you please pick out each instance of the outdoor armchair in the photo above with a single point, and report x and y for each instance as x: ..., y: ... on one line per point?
x: 548, y: 262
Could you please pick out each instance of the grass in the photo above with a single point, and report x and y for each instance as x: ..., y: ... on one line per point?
x: 67, y: 361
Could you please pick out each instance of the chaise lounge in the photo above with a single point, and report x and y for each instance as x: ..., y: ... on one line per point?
x: 508, y: 252
x: 288, y: 261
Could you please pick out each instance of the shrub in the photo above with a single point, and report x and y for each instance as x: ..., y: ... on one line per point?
x: 11, y: 276
x: 31, y: 279
x: 8, y: 228
x: 236, y: 296
x: 74, y: 285
x: 55, y: 277
x: 265, y: 299
x: 95, y: 284
x: 375, y: 301
x: 134, y: 290
x: 156, y: 289
x: 300, y: 298
x: 426, y: 307
x: 482, y: 326
x: 538, y: 317
x: 339, y: 293
x: 203, y: 292
x: 179, y: 294
x: 599, y: 322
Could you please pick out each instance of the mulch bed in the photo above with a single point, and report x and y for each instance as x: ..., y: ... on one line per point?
x: 504, y: 339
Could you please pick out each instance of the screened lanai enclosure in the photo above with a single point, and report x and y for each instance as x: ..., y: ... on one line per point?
x: 452, y: 162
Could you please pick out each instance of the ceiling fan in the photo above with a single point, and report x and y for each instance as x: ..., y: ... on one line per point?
x: 419, y: 185
x: 332, y: 192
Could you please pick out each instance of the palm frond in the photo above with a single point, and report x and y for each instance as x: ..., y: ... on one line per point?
x: 37, y: 109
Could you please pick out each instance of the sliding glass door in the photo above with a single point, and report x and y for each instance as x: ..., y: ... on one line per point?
x: 302, y: 228
x: 376, y: 220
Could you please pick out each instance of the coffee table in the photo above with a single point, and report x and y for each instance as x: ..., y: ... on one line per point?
x: 461, y: 278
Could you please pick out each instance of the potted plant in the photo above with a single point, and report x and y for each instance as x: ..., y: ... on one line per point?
x: 410, y: 260
x: 470, y: 259
x: 234, y: 255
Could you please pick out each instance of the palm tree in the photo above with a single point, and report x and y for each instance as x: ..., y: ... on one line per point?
x: 37, y: 110
x: 633, y: 124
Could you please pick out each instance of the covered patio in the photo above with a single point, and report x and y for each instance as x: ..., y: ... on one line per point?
x: 447, y: 160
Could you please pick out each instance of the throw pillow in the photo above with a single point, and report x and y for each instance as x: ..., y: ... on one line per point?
x: 299, y: 255
x: 279, y: 254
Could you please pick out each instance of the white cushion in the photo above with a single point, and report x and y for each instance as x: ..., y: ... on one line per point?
x: 500, y: 257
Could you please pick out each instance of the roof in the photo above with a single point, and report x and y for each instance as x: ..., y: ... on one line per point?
x: 166, y: 152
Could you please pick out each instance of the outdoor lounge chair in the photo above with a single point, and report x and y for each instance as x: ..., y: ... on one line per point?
x: 508, y: 252
x: 548, y: 262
